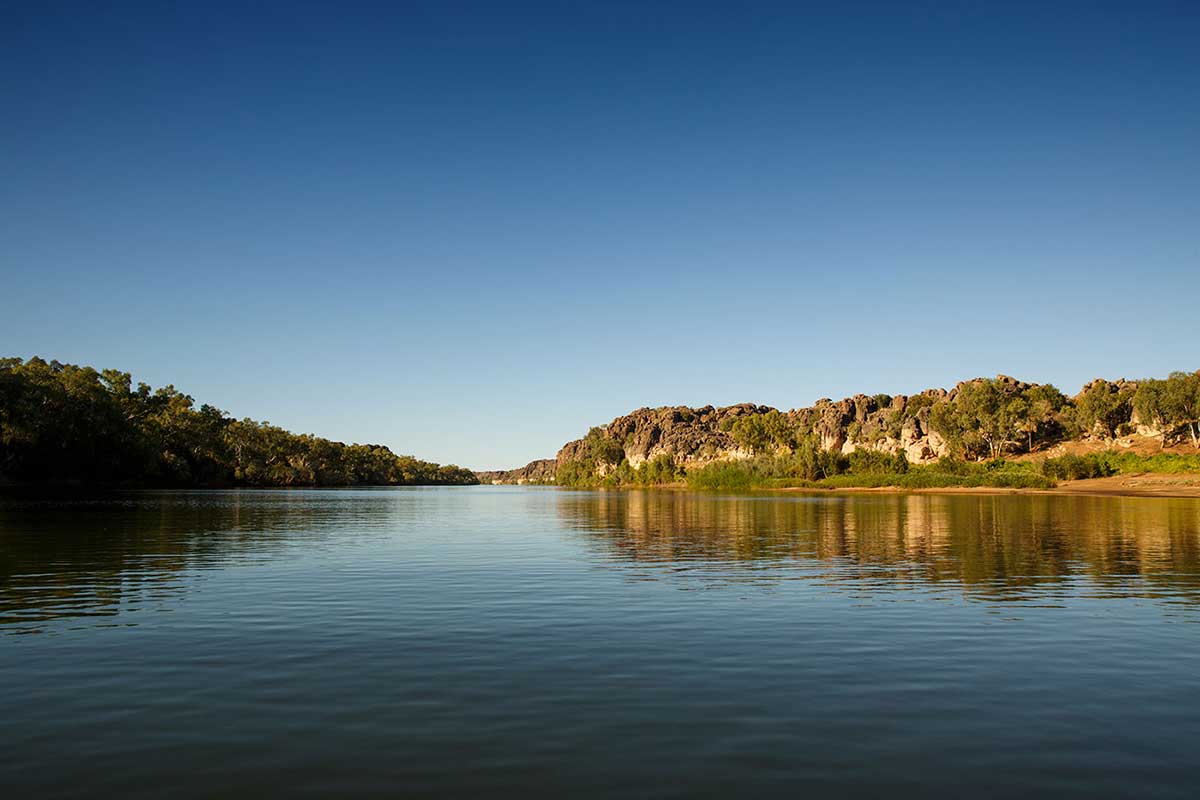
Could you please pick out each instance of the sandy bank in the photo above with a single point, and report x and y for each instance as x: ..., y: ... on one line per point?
x: 1146, y: 485
x: 1143, y: 485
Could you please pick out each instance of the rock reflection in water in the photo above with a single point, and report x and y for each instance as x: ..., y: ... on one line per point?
x: 1001, y: 547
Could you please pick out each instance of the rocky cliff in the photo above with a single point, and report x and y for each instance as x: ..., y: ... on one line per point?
x: 540, y: 471
x: 693, y: 437
x: 697, y: 436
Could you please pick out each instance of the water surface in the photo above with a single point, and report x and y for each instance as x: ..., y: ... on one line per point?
x: 540, y: 642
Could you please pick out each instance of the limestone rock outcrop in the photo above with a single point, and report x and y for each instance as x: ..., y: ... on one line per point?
x: 540, y: 471
x: 897, y: 424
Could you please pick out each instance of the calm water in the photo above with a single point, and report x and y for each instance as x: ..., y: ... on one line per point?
x: 537, y: 642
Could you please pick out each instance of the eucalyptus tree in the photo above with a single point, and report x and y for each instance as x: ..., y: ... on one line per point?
x: 1171, y: 404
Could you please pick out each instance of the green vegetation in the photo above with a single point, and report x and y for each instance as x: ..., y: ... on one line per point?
x: 992, y: 417
x: 599, y: 465
x: 1101, y: 465
x: 1101, y: 406
x: 65, y: 423
x: 764, y: 433
x: 809, y: 467
x: 865, y: 469
x: 870, y: 469
x: 1171, y: 404
x: 657, y: 471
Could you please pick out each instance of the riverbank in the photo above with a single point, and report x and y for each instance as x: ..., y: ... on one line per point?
x: 1131, y: 485
x: 1143, y: 485
x: 1147, y: 485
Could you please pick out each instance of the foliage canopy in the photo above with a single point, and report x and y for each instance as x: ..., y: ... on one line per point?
x: 66, y: 423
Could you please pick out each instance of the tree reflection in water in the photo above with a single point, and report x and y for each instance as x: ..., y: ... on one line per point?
x: 67, y: 556
x: 996, y: 547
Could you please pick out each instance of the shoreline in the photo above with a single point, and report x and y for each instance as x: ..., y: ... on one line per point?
x: 1142, y: 485
x: 1147, y: 484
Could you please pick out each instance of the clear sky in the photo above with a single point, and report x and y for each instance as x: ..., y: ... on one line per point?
x: 470, y: 231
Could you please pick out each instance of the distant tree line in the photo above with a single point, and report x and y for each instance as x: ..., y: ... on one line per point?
x: 67, y: 423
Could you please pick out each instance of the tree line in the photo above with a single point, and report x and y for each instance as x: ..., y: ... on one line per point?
x: 75, y: 424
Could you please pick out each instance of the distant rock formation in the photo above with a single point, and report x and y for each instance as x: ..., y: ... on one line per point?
x: 540, y: 471
x: 694, y: 437
x: 690, y: 435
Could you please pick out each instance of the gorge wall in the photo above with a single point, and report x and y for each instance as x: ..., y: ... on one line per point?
x: 1038, y: 416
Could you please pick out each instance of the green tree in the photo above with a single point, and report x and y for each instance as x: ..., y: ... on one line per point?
x: 1184, y: 391
x: 1044, y: 403
x: 1101, y: 405
x: 1170, y: 404
x: 983, y: 417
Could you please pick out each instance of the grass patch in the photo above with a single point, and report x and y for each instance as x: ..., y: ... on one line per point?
x: 868, y: 471
x: 1111, y: 462
x: 777, y: 473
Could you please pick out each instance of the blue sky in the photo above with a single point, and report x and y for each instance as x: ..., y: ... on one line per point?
x: 470, y: 231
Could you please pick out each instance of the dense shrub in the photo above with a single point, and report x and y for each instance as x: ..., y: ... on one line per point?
x: 1072, y: 467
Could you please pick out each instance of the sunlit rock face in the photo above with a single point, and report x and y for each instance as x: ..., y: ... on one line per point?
x: 693, y: 437
x: 539, y: 471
